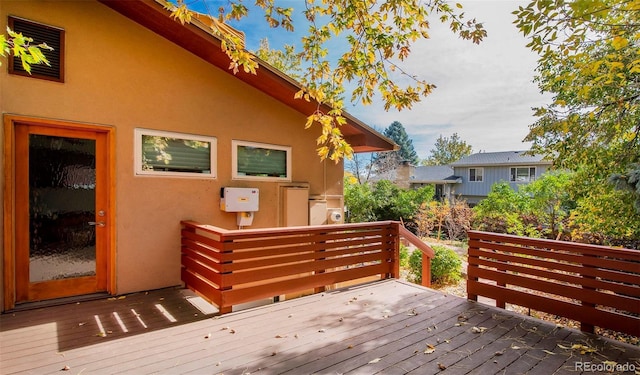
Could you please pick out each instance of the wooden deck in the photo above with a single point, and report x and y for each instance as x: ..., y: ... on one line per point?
x: 386, y: 327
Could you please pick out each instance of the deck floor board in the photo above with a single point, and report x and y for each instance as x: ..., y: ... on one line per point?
x: 383, y: 327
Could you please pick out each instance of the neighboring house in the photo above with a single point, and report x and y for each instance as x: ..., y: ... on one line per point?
x: 471, y: 177
x: 479, y: 171
x: 440, y: 176
x: 137, y: 125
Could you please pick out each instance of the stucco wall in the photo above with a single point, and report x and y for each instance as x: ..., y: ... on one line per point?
x: 121, y: 75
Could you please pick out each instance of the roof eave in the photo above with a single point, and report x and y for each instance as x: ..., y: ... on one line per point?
x: 195, y: 38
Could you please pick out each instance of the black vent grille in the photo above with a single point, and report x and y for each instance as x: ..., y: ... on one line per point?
x: 53, y: 37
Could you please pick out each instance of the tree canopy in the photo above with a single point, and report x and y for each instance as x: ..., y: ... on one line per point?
x: 378, y: 37
x: 16, y: 44
x: 399, y: 135
x: 447, y: 150
x: 589, y: 62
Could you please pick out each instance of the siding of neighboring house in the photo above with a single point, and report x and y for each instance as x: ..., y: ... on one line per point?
x: 474, y: 191
x: 123, y: 76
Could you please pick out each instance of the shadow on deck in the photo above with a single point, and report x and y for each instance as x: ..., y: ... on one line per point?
x: 386, y: 327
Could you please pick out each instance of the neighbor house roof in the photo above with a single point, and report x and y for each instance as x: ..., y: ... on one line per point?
x: 500, y: 158
x: 434, y: 174
x: 197, y: 38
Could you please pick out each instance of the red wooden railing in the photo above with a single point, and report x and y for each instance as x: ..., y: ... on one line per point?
x: 230, y: 267
x: 594, y: 285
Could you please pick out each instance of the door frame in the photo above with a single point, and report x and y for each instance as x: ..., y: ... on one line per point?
x: 9, y: 198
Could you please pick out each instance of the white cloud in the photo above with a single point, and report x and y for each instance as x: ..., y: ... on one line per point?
x: 484, y: 92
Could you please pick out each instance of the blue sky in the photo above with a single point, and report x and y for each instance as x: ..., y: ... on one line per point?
x: 484, y: 92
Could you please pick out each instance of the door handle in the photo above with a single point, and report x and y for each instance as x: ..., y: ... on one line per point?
x: 97, y: 223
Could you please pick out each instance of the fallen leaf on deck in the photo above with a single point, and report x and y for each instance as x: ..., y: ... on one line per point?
x: 232, y: 331
x: 376, y: 360
x: 322, y: 330
x: 101, y: 334
x: 515, y: 347
x: 583, y: 348
x: 280, y: 336
x: 478, y: 329
x: 208, y: 336
x: 501, y: 352
x: 66, y: 368
x: 549, y: 352
x: 350, y: 347
x: 563, y: 347
x: 441, y: 366
x: 412, y: 312
x: 274, y: 353
x: 430, y: 349
x: 122, y: 297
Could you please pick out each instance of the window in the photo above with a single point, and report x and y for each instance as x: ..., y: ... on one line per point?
x: 523, y: 174
x: 174, y: 154
x: 53, y: 37
x: 475, y: 174
x: 259, y: 161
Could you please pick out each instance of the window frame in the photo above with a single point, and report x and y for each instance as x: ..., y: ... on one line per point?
x: 235, y: 175
x: 137, y: 159
x: 514, y: 177
x: 59, y: 50
x: 481, y: 174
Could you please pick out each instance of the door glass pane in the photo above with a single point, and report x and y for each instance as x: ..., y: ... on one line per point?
x: 62, y: 181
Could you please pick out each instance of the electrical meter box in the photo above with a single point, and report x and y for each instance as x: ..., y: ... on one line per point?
x: 239, y: 199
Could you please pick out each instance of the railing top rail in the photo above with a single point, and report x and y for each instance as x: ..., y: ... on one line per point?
x: 227, y: 233
x: 417, y: 242
x: 559, y: 245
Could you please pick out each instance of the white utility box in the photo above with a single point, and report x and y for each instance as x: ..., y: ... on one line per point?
x: 239, y: 199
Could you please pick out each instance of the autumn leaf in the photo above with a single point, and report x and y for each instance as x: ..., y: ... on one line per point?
x: 375, y: 360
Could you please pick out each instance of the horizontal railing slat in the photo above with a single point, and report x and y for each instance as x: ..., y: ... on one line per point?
x: 238, y: 278
x: 572, y: 292
x: 204, y: 287
x: 242, y: 295
x: 298, y: 257
x: 612, y: 276
x: 615, y: 321
x: 252, y: 253
x: 576, y: 279
x: 621, y: 264
x: 602, y: 284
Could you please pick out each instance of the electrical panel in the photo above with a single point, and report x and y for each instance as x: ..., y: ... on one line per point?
x: 239, y: 199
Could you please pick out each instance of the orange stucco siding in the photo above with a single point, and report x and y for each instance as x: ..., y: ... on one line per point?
x: 121, y: 75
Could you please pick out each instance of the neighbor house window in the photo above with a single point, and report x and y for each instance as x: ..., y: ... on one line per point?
x: 523, y: 174
x: 475, y: 174
x: 163, y: 153
x: 53, y: 37
x: 260, y: 161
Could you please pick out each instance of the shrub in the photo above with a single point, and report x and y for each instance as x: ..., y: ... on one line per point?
x: 404, y: 256
x: 415, y: 267
x: 445, y: 266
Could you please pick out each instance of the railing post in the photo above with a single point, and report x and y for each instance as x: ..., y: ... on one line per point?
x: 323, y: 288
x: 586, y: 327
x: 395, y: 244
x: 182, y: 266
x: 426, y: 270
x: 224, y: 307
x: 472, y: 265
